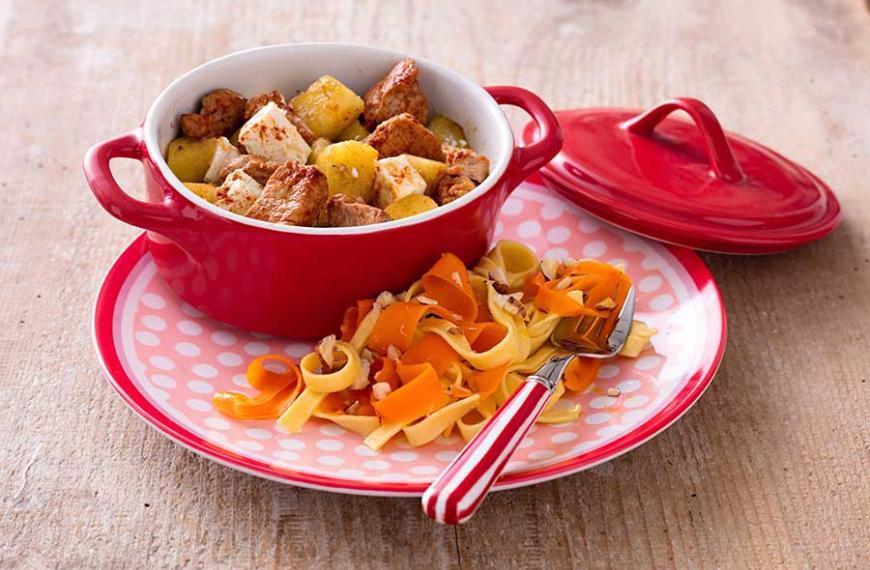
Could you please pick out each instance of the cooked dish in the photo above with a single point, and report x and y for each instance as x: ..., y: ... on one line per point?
x: 446, y: 353
x: 327, y: 157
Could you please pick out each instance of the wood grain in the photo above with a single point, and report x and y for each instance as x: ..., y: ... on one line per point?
x: 768, y: 470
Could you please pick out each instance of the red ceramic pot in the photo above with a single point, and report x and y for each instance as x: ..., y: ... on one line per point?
x: 295, y: 281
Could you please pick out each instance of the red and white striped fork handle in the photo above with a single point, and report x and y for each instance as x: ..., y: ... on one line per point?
x: 454, y: 496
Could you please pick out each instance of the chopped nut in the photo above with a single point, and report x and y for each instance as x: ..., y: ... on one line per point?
x: 510, y: 303
x: 367, y: 354
x: 456, y: 278
x: 550, y: 268
x: 576, y: 295
x: 362, y: 379
x: 424, y: 300
x: 613, y: 392
x: 385, y: 298
x: 393, y: 353
x: 498, y: 275
x: 606, y: 305
x: 326, y: 350
x: 380, y: 390
x: 563, y: 284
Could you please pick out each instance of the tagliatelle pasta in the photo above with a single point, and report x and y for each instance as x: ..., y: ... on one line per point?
x: 446, y: 353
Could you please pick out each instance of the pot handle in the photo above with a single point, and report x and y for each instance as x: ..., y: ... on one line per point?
x: 145, y: 215
x: 530, y: 158
x: 722, y: 160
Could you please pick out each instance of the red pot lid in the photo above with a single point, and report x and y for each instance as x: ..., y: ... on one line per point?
x: 689, y: 184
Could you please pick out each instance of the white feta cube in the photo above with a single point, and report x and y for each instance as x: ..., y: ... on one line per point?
x: 269, y: 134
x: 238, y: 192
x: 395, y: 178
x: 224, y: 152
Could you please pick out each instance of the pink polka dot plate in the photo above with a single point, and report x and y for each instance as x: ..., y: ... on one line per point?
x: 165, y: 359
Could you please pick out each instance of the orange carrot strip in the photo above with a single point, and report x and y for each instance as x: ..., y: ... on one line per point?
x: 353, y: 316
x: 396, y: 326
x: 277, y: 391
x: 421, y: 395
x: 558, y: 302
x: 485, y: 382
x: 483, y: 336
x: 447, y: 282
x: 581, y: 372
x: 433, y: 349
x: 364, y: 397
x: 388, y: 373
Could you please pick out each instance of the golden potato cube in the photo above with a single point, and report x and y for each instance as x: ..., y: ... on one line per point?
x: 207, y: 192
x: 317, y: 147
x: 429, y: 169
x: 349, y: 167
x: 410, y: 205
x: 327, y: 106
x: 353, y: 132
x: 448, y: 131
x: 189, y: 158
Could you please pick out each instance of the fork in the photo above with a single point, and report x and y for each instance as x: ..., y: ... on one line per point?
x: 457, y: 492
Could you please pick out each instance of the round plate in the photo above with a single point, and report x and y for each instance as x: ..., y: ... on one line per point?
x: 165, y: 359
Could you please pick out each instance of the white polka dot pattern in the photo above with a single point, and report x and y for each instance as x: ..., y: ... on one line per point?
x: 178, y: 358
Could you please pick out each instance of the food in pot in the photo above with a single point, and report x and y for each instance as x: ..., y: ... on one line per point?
x: 327, y: 157
x: 446, y: 353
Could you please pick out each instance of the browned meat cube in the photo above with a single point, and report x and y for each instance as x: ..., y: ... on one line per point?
x: 398, y: 92
x: 451, y: 185
x: 469, y: 163
x: 258, y: 102
x: 222, y: 112
x: 298, y: 122
x: 257, y: 168
x: 273, y: 96
x: 293, y: 196
x: 342, y: 211
x: 403, y: 134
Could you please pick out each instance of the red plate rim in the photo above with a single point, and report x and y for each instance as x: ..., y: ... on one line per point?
x: 123, y: 385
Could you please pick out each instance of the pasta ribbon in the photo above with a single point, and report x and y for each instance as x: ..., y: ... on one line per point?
x: 376, y: 439
x: 509, y: 260
x: 434, y: 424
x: 638, y: 338
x: 318, y: 385
x: 499, y: 354
x: 362, y: 425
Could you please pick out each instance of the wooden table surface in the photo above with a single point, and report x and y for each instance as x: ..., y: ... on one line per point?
x: 770, y: 469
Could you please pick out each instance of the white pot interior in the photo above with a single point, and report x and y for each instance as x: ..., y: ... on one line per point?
x: 291, y: 68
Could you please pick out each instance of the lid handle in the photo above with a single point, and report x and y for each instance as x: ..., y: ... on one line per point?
x: 722, y: 160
